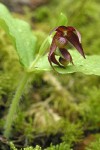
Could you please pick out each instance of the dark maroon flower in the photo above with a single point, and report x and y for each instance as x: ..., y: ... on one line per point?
x: 62, y: 37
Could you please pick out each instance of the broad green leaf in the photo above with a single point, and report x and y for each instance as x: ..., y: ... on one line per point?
x: 90, y: 65
x: 42, y: 64
x: 20, y: 34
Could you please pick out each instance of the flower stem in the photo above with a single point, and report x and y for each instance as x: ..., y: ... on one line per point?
x: 14, y: 105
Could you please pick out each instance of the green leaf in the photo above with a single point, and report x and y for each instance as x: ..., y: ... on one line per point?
x: 42, y: 64
x: 90, y: 65
x: 62, y: 20
x: 20, y: 34
x: 46, y: 43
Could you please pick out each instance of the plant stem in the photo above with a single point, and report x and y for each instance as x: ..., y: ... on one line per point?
x: 16, y: 100
x: 14, y: 104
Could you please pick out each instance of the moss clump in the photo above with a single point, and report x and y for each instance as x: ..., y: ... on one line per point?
x: 61, y: 146
x: 94, y: 145
x: 90, y: 110
x: 12, y: 147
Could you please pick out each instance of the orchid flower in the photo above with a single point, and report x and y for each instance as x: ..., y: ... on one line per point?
x: 62, y: 37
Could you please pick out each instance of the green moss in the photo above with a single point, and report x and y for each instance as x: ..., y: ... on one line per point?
x: 12, y: 147
x: 61, y: 146
x: 31, y: 148
x: 90, y: 110
x: 95, y: 145
x: 73, y: 133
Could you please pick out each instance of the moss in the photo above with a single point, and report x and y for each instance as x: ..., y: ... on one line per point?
x: 61, y: 146
x: 89, y: 109
x: 73, y: 133
x: 12, y: 147
x: 94, y: 145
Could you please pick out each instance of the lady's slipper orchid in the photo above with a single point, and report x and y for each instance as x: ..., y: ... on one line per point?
x: 61, y: 38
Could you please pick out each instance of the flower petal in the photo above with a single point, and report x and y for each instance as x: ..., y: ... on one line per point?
x: 68, y: 28
x: 53, y: 45
x: 51, y: 55
x: 72, y: 29
x: 74, y: 40
x: 54, y: 60
x: 66, y: 55
x: 61, y: 29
